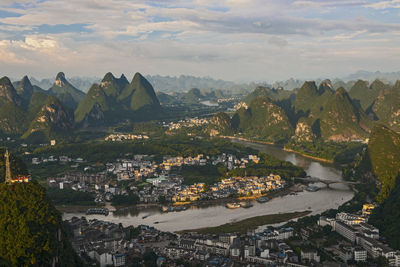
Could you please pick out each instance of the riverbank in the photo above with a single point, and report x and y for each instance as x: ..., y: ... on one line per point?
x: 308, y: 156
x: 243, y: 226
x: 247, y: 140
x: 298, y: 187
x: 283, y: 148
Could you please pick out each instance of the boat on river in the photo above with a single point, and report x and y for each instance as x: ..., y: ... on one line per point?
x: 174, y: 208
x: 312, y: 188
x: 100, y: 211
x: 262, y: 199
x: 246, y: 204
x: 233, y: 205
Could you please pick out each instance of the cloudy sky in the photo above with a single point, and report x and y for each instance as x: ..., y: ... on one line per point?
x: 238, y: 40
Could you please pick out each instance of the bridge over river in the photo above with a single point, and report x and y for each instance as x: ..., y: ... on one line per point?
x: 324, y: 181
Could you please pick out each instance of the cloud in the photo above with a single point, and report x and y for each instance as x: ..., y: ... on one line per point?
x: 208, y: 37
x: 385, y: 4
x: 277, y: 41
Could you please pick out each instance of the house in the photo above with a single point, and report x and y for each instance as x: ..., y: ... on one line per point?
x: 360, y: 254
x: 119, y: 259
x: 309, y: 255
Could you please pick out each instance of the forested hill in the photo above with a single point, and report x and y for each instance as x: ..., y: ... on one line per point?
x: 383, y: 161
x: 31, y: 231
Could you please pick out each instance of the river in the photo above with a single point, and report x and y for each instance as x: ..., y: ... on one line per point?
x: 215, y: 215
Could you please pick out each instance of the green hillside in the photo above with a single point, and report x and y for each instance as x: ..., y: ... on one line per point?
x: 25, y: 88
x: 113, y: 86
x: 263, y: 120
x: 115, y: 99
x: 31, y: 231
x: 342, y: 120
x: 387, y: 217
x: 51, y: 120
x: 387, y: 106
x: 95, y: 95
x: 384, y: 156
x: 310, y: 100
x: 66, y: 92
x: 12, y: 119
x: 143, y: 95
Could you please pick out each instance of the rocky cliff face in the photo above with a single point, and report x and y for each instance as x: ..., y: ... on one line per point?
x: 220, y: 124
x: 304, y: 131
x: 60, y: 80
x: 52, y: 119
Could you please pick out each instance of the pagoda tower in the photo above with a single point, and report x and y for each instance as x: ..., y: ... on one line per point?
x: 8, y: 168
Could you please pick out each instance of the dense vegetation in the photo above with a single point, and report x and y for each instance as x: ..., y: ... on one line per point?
x: 70, y: 197
x: 384, y: 157
x: 109, y: 151
x: 338, y: 152
x: 31, y: 232
x: 208, y: 174
x: 386, y: 217
x: 130, y: 199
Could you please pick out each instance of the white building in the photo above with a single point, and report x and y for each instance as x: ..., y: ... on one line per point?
x: 360, y: 254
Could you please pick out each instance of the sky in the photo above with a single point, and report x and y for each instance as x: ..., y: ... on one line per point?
x: 236, y: 40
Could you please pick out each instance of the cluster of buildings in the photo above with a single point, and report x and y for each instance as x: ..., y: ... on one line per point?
x: 161, y: 180
x: 110, y: 244
x: 52, y: 159
x: 123, y: 137
x: 247, y: 186
x: 78, y: 180
x: 232, y: 162
x: 169, y: 162
x: 187, y: 123
x: 189, y: 193
x: 240, y: 105
x: 228, y: 160
x: 137, y: 168
x: 234, y: 186
x: 267, y: 248
x: 364, y: 238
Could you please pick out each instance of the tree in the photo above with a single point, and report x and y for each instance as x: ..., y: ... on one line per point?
x: 382, y: 262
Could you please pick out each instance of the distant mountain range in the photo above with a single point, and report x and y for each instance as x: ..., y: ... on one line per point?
x: 386, y: 77
x: 184, y: 83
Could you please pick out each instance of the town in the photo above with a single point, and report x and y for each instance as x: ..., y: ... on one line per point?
x: 152, y: 181
x: 187, y: 123
x: 320, y: 241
